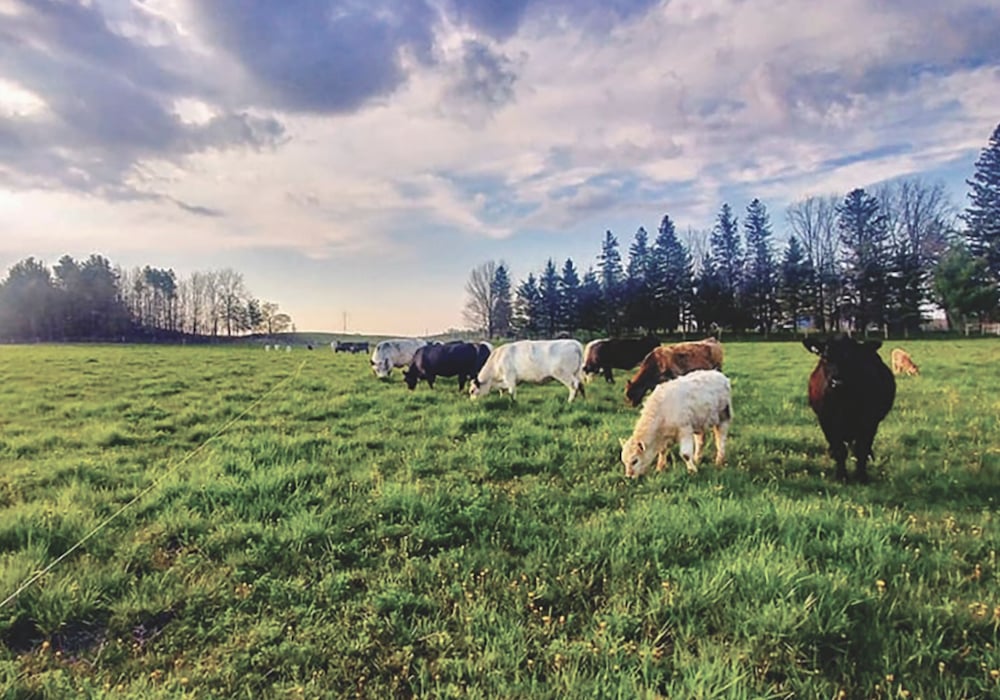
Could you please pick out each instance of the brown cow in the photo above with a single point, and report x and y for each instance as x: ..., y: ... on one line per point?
x: 665, y: 363
x: 902, y: 363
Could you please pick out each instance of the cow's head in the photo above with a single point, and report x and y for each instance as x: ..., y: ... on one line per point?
x: 410, y: 376
x: 633, y: 392
x: 635, y: 457
x: 475, y: 388
x: 843, y: 358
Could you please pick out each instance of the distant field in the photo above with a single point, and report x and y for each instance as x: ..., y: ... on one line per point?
x: 346, y: 537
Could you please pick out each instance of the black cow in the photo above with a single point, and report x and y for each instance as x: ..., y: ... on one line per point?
x: 601, y: 356
x: 851, y: 391
x: 350, y: 347
x: 456, y: 358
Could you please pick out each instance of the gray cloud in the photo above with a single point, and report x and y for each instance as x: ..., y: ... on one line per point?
x: 109, y: 103
x: 320, y: 55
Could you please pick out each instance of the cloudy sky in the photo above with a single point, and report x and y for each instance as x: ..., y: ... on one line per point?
x: 355, y: 159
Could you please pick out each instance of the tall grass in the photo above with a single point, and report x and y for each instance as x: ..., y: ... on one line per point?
x: 348, y: 537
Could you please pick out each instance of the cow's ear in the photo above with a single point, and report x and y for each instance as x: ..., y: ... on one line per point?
x: 813, y: 345
x: 622, y: 441
x: 873, y: 345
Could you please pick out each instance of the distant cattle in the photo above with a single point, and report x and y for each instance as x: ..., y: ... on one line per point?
x: 666, y: 363
x: 601, y: 356
x: 531, y: 361
x: 851, y: 390
x: 396, y: 352
x: 680, y: 411
x: 902, y: 363
x: 352, y: 347
x: 454, y: 359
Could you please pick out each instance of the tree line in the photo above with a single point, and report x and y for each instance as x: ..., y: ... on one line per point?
x: 94, y: 300
x: 871, y: 259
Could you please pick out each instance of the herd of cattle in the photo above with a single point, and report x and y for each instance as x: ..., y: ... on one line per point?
x: 850, y: 390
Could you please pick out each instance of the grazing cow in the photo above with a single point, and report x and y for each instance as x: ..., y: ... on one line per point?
x: 531, y: 361
x: 456, y: 358
x: 397, y: 352
x: 902, y: 363
x: 601, y: 356
x: 851, y: 391
x: 351, y: 347
x: 680, y: 412
x: 670, y: 362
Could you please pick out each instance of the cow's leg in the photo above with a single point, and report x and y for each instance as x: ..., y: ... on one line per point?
x: 661, y: 460
x: 608, y: 376
x: 863, y: 450
x: 699, y: 443
x: 720, y: 432
x: 461, y: 382
x: 686, y: 442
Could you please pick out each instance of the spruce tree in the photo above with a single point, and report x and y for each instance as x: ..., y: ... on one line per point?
x: 548, y: 288
x: 671, y: 278
x: 727, y: 264
x: 760, y: 279
x: 502, y: 310
x: 611, y: 277
x: 796, y: 285
x: 863, y: 234
x: 982, y: 217
x: 569, y: 297
x: 526, y: 318
x: 638, y: 276
x: 963, y: 287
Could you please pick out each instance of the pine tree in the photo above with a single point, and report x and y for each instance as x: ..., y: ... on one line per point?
x: 525, y: 321
x: 548, y: 288
x: 796, y: 287
x: 982, y: 217
x: 638, y: 276
x: 502, y: 310
x: 727, y: 264
x: 760, y: 279
x: 963, y: 287
x: 710, y: 304
x: 863, y: 234
x: 610, y: 277
x: 671, y: 277
x: 591, y: 302
x: 569, y: 297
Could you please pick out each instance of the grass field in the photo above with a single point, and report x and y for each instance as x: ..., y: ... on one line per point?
x: 305, y: 530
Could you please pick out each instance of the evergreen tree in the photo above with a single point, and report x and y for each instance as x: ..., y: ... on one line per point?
x: 963, y: 286
x: 710, y: 303
x: 863, y: 235
x: 548, y: 287
x: 982, y: 217
x: 569, y: 297
x: 591, y: 307
x: 502, y: 309
x: 796, y: 286
x: 610, y: 277
x: 727, y: 264
x: 760, y: 279
x: 636, y: 290
x: 527, y: 312
x: 670, y: 278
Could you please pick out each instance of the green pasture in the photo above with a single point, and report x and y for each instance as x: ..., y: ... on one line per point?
x: 288, y: 526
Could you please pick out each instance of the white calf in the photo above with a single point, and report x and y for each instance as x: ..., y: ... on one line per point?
x: 531, y: 361
x: 680, y: 411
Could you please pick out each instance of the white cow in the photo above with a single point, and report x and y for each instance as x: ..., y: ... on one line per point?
x: 397, y: 352
x: 531, y: 361
x: 680, y: 411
